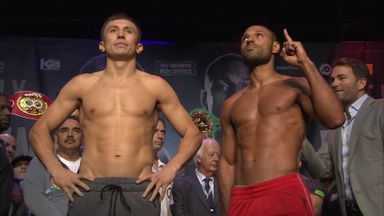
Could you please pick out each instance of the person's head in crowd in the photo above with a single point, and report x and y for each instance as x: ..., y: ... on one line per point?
x: 349, y: 79
x: 69, y: 135
x: 74, y: 114
x: 159, y: 136
x: 5, y: 112
x: 207, y: 157
x: 10, y: 145
x: 20, y: 166
x: 224, y: 76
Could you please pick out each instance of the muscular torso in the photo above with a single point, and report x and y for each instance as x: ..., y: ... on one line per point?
x: 118, y: 119
x: 269, y: 129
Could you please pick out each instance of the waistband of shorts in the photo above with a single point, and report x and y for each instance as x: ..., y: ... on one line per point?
x: 127, y: 184
x: 117, y: 180
x: 267, y: 187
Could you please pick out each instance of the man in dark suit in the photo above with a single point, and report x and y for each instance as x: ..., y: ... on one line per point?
x: 353, y: 153
x: 6, y: 170
x: 195, y: 195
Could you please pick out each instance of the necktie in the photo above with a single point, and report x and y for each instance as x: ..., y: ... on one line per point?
x: 207, y: 189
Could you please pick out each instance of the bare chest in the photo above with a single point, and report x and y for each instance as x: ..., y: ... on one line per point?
x: 266, y: 103
x: 112, y: 100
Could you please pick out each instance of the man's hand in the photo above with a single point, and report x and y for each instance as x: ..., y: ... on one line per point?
x: 160, y: 179
x: 70, y: 182
x: 293, y: 52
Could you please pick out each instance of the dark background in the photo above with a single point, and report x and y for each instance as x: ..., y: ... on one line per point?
x: 190, y: 22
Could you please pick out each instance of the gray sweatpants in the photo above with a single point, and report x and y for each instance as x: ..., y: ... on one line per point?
x: 114, y: 196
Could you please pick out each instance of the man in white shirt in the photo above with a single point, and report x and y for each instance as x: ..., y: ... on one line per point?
x: 353, y: 153
x: 41, y: 195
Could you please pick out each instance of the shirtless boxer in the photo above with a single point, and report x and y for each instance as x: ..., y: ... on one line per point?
x: 264, y: 126
x: 118, y: 110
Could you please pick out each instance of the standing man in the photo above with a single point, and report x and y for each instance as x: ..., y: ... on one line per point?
x: 118, y: 109
x: 157, y: 144
x: 41, y: 194
x: 10, y: 145
x: 198, y: 193
x: 266, y: 120
x: 354, y: 153
x: 6, y: 170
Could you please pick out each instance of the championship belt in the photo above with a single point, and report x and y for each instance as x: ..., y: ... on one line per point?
x: 207, y: 123
x: 29, y: 104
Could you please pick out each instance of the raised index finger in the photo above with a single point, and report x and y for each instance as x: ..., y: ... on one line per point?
x: 286, y: 35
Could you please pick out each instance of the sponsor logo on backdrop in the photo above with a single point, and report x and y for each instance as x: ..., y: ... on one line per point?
x: 50, y: 64
x: 325, y: 69
x: 185, y: 68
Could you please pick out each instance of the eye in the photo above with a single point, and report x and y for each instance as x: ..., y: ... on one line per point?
x: 77, y: 130
x: 220, y: 86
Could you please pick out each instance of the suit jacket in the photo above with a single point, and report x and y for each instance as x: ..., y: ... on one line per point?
x: 189, y: 198
x: 366, y: 159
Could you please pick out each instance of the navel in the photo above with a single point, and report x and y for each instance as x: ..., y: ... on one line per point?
x: 92, y: 110
x: 145, y: 111
x: 117, y: 156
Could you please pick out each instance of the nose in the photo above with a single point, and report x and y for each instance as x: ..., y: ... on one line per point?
x: 216, y: 157
x: 120, y: 34
x: 161, y: 137
x: 70, y: 133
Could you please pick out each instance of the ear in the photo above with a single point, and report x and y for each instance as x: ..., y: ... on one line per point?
x: 139, y: 48
x: 198, y: 161
x: 276, y: 47
x: 56, y: 145
x: 203, y: 99
x: 101, y: 46
x: 362, y: 84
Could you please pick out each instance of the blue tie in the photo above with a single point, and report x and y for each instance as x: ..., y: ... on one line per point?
x: 207, y: 189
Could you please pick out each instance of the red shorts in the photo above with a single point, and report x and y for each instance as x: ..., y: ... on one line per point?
x: 285, y: 195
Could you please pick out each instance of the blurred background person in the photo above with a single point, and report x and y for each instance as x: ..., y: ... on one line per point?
x: 41, y: 195
x: 316, y: 189
x: 10, y: 144
x: 6, y: 170
x: 157, y: 144
x: 20, y: 166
